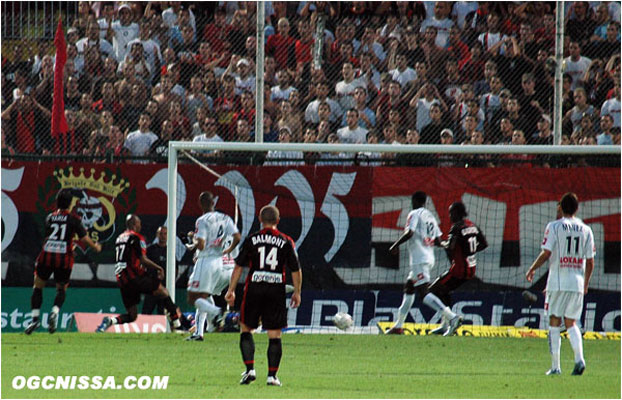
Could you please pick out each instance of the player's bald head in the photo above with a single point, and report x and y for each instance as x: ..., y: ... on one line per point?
x: 269, y: 215
x: 206, y: 200
x: 132, y: 221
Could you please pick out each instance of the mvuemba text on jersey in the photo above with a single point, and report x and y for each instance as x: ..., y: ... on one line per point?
x: 572, y: 227
x: 471, y: 230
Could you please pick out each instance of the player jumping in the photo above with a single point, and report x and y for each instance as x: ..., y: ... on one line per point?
x: 465, y: 239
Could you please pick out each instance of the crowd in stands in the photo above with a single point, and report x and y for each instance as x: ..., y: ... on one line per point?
x: 140, y: 74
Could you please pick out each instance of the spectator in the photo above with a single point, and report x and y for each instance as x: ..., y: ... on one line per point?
x: 227, y: 104
x: 392, y: 27
x: 611, y: 107
x: 324, y: 130
x: 372, y: 47
x: 136, y: 60
x: 512, y: 65
x: 389, y: 135
x: 460, y: 109
x: 529, y: 102
x: 170, y: 15
x: 196, y: 98
x: 247, y: 110
x: 303, y: 47
x: 345, y: 88
x: 270, y: 71
x: 352, y: 132
x: 368, y: 74
x: 472, y: 69
x: 441, y: 22
x: 431, y: 133
x: 576, y: 64
x: 457, y: 49
x: 606, y: 136
x: 72, y: 95
x: 392, y: 99
x: 450, y: 84
x: 601, y: 21
x: 216, y: 32
x: 367, y: 118
x: 278, y: 45
x: 135, y: 105
x: 490, y: 102
x: 186, y: 51
x: 153, y: 109
x: 92, y: 40
x: 579, y: 27
x: 493, y: 35
x: 28, y: 126
x: 545, y: 35
x: 581, y: 108
x: 124, y: 32
x: 284, y: 89
x: 504, y: 136
x: 210, y: 133
x: 243, y: 131
x: 311, y: 112
x: 422, y: 102
x: 527, y: 43
x: 105, y: 22
x: 434, y: 55
x: 483, y: 86
x: 293, y: 121
x: 270, y: 133
x: 290, y: 158
x: 180, y: 122
x: 544, y: 134
x: 244, y: 79
x: 139, y: 142
x: 414, y: 52
x: 159, y: 148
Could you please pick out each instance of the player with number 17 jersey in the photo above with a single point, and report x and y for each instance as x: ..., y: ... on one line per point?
x: 128, y: 248
x: 465, y: 239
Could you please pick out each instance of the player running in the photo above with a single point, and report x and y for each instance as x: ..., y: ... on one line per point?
x: 267, y: 253
x: 56, y: 257
x: 465, y: 239
x: 133, y: 279
x: 569, y: 245
x: 209, y: 276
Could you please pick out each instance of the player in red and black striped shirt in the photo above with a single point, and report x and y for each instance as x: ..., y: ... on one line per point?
x: 267, y: 254
x: 56, y: 257
x: 465, y: 239
x: 132, y: 278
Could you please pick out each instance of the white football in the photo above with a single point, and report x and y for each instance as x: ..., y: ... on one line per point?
x: 343, y: 321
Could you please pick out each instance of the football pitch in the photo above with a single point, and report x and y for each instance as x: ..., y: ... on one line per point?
x: 313, y: 366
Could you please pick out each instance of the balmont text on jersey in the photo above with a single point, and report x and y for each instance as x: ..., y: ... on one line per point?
x: 269, y: 239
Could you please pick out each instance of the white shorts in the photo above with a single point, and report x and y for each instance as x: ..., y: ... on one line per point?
x: 419, y: 274
x: 209, y: 276
x: 564, y: 304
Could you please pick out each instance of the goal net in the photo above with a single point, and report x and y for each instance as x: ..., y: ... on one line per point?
x: 344, y: 205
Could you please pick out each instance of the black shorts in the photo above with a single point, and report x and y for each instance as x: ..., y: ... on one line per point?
x: 61, y: 275
x: 130, y: 292
x: 264, y: 303
x: 449, y: 281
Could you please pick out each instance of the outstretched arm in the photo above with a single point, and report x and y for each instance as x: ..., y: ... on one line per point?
x: 542, y: 258
x: 405, y: 236
x: 233, y: 283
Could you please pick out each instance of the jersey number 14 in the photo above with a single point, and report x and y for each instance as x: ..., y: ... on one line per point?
x: 270, y: 259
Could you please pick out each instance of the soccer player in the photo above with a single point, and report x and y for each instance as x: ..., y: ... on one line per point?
x: 569, y: 245
x: 267, y: 253
x: 465, y: 239
x: 56, y: 257
x: 209, y: 276
x: 421, y: 233
x: 133, y: 279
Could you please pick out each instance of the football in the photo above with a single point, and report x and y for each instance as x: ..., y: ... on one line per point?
x: 343, y: 321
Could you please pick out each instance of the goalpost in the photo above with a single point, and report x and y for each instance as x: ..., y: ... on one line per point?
x: 378, y: 227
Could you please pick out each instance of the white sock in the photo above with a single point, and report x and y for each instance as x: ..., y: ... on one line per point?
x: 36, y: 313
x: 55, y: 309
x: 205, y: 306
x: 113, y: 320
x: 407, y: 303
x: 555, y: 344
x: 432, y: 301
x: 576, y: 341
x: 200, y: 323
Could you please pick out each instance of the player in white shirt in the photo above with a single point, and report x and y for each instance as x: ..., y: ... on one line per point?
x: 209, y: 277
x: 421, y: 234
x: 569, y: 245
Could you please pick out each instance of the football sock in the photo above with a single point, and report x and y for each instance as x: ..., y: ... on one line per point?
x: 275, y: 351
x: 35, y: 314
x: 247, y: 346
x: 60, y: 297
x: 402, y: 312
x: 123, y: 319
x: 200, y: 323
x: 55, y: 310
x: 170, y: 308
x: 432, y: 301
x: 206, y: 307
x: 555, y: 343
x: 576, y: 341
x: 35, y: 302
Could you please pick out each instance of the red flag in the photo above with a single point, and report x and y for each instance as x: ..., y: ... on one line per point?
x: 59, y: 123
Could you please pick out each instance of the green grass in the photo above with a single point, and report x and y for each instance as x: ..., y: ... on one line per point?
x: 314, y: 366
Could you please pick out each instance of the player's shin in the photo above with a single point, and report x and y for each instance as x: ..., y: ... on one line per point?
x: 35, y: 302
x: 554, y: 346
x: 247, y: 347
x: 576, y: 341
x: 404, y: 309
x: 59, y: 300
x: 171, y: 310
x: 432, y: 301
x: 275, y: 351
